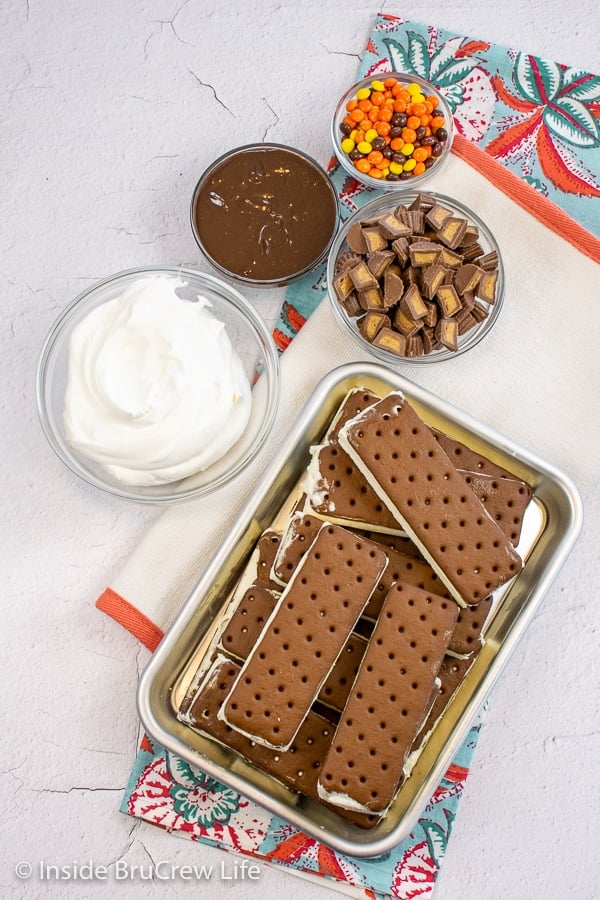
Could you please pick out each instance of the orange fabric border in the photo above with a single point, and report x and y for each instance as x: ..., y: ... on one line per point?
x: 550, y: 215
x: 130, y: 618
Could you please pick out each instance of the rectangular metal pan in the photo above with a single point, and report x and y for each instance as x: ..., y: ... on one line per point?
x: 552, y: 524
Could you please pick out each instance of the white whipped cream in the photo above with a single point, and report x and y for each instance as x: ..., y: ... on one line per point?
x: 155, y: 390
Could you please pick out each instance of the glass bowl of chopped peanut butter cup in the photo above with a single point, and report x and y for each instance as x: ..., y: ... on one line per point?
x: 416, y: 278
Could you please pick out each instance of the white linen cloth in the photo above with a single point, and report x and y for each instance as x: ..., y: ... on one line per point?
x: 534, y: 378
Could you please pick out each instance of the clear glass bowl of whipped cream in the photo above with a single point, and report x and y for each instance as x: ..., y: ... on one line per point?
x: 158, y: 385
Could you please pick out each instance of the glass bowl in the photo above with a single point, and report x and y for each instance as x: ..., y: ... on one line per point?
x: 385, y: 203
x: 264, y: 214
x: 406, y: 181
x: 249, y: 337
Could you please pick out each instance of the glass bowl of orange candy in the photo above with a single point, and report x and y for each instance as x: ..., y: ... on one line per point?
x: 392, y: 131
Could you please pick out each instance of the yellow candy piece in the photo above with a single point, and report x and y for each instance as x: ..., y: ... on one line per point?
x: 409, y: 164
x: 363, y: 93
x: 378, y: 85
x: 413, y: 88
x: 385, y: 172
x: 408, y: 149
x: 347, y: 145
x: 370, y: 135
x: 364, y: 147
x: 418, y: 98
x: 396, y: 168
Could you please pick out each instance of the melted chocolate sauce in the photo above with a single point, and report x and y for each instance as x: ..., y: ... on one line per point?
x: 265, y: 213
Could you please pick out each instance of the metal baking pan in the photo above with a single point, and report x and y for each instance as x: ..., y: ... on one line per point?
x: 552, y: 523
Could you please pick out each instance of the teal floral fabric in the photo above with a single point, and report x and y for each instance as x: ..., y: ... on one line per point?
x: 539, y: 119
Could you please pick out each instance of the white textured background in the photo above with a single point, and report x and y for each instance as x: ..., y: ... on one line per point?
x: 109, y: 112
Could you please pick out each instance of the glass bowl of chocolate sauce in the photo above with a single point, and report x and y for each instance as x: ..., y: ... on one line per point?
x: 264, y: 214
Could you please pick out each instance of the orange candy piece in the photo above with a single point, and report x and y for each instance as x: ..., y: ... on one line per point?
x: 363, y: 165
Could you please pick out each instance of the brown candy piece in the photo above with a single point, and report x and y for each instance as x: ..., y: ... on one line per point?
x: 412, y: 303
x: 391, y: 227
x: 448, y: 300
x: 424, y: 253
x: 362, y: 277
x: 467, y: 278
x: 400, y: 247
x: 393, y: 341
x: 486, y: 287
x: 446, y: 332
x: 437, y: 215
x: 433, y: 277
x: 405, y: 324
x: 374, y: 239
x: 372, y: 298
x: 355, y: 238
x: 452, y: 231
x: 343, y: 286
x: 379, y: 262
x: 393, y: 288
x: 371, y: 323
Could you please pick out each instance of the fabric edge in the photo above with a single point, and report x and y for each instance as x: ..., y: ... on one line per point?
x: 544, y: 210
x: 136, y: 623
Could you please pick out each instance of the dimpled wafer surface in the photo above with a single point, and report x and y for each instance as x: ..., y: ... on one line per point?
x: 505, y: 499
x: 341, y: 491
x: 466, y: 637
x: 304, y: 636
x: 402, y: 567
x: 298, y: 768
x: 244, y: 629
x: 247, y: 621
x: 389, y: 699
x: 451, y: 673
x: 301, y: 531
x: 268, y: 545
x: 401, y: 458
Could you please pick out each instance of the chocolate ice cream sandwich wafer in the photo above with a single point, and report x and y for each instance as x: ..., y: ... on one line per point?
x: 301, y: 531
x: 303, y: 637
x: 450, y: 676
x: 466, y: 459
x: 389, y: 700
x: 354, y: 402
x: 339, y: 492
x: 247, y: 621
x: 466, y: 637
x: 405, y: 464
x: 338, y: 683
x: 505, y: 499
x: 407, y: 569
x: 297, y: 768
x: 258, y: 569
x: 244, y: 629
x: 268, y: 544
